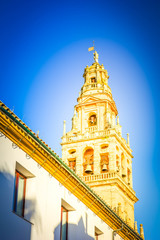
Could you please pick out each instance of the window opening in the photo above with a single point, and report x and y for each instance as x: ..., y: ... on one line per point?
x: 93, y: 120
x: 117, y: 166
x: 129, y: 176
x: 72, y: 164
x: 96, y: 236
x: 64, y: 224
x: 123, y: 166
x: 19, y: 194
x: 93, y: 80
x: 65, y: 209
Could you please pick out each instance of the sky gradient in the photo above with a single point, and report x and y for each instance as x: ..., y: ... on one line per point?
x: 44, y: 50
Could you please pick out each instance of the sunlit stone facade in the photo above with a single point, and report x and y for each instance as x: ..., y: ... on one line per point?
x: 95, y: 148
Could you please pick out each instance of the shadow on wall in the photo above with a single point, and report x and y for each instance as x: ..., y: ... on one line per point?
x: 75, y: 231
x: 32, y: 214
x: 12, y: 226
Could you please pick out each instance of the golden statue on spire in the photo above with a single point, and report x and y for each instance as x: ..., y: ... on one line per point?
x: 96, y: 55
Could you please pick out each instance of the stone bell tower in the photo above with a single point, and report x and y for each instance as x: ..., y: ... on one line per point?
x: 95, y: 148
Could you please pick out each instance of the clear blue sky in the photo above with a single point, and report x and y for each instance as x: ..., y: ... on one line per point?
x: 43, y: 53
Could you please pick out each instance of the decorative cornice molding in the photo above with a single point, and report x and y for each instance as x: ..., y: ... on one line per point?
x: 116, y: 181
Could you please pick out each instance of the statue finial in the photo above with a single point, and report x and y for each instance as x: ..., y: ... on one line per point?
x: 96, y: 55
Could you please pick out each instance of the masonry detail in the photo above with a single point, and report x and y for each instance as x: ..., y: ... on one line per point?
x: 95, y: 148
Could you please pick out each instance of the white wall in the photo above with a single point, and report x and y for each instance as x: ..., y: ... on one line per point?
x: 43, y: 204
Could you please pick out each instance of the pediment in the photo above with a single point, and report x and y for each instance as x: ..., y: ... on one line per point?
x: 90, y: 99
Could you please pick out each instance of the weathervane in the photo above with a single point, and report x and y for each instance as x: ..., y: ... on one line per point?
x: 95, y: 54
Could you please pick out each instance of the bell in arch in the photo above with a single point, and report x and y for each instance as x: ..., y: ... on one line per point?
x: 104, y: 168
x: 88, y: 168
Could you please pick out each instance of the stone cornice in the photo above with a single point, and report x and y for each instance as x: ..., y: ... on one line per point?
x: 85, y: 139
x: 115, y: 179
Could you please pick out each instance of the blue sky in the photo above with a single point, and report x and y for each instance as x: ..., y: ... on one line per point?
x: 44, y: 50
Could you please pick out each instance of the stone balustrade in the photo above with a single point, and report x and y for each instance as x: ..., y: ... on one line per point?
x: 92, y: 128
x: 106, y: 176
x: 91, y: 178
x: 92, y: 86
x: 91, y: 133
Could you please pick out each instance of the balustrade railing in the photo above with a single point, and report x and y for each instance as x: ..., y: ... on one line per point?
x: 91, y: 86
x: 91, y: 133
x: 92, y: 128
x: 105, y: 176
x: 102, y: 176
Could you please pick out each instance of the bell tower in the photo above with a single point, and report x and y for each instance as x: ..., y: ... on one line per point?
x: 95, y: 148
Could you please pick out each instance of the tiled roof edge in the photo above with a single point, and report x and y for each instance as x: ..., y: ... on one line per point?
x: 15, y: 119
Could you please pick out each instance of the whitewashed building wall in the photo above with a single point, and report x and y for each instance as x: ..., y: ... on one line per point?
x: 44, y: 196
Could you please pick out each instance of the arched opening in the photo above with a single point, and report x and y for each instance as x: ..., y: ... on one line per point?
x: 129, y: 176
x: 93, y: 80
x: 104, y: 163
x: 117, y: 148
x: 123, y: 165
x: 72, y: 163
x: 92, y: 121
x: 88, y: 161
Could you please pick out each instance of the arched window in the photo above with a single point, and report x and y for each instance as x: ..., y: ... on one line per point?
x: 88, y: 161
x: 117, y: 163
x: 93, y: 80
x: 92, y: 121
